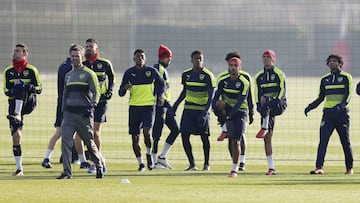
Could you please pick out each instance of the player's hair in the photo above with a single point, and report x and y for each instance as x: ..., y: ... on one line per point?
x: 92, y: 41
x: 24, y: 47
x: 140, y: 51
x: 337, y: 57
x: 232, y: 55
x: 77, y: 47
x: 196, y: 52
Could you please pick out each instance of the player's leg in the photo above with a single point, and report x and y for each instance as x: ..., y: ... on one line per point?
x: 186, y: 126
x: 206, y: 150
x: 156, y: 133
x: 242, y: 153
x: 79, y: 146
x: 99, y: 119
x: 235, y: 148
x: 268, y: 147
x: 134, y: 131
x: 15, y: 129
x: 16, y: 112
x: 16, y: 137
x: 147, y: 120
x: 326, y: 129
x: 171, y: 123
x: 67, y: 142
x: 84, y: 127
x: 236, y: 128
x: 51, y: 146
x: 343, y: 130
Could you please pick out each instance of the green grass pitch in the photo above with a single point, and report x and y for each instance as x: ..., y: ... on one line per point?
x: 295, y: 144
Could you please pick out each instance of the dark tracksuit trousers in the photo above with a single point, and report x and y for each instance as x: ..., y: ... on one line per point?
x: 340, y: 122
x: 170, y: 122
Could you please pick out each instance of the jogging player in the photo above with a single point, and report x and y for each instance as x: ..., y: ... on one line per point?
x: 146, y: 88
x: 164, y: 114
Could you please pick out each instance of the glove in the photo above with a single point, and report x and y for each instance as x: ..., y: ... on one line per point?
x: 88, y: 111
x: 258, y: 107
x: 307, y: 110
x: 202, y: 119
x: 251, y: 118
x: 221, y: 119
x: 108, y: 94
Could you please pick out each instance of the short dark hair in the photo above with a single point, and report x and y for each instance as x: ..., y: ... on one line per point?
x: 196, y: 52
x: 76, y: 47
x: 24, y: 46
x: 232, y: 55
x: 337, y: 57
x: 92, y: 40
x: 140, y: 51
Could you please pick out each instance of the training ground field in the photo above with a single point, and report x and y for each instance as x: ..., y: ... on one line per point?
x: 295, y: 143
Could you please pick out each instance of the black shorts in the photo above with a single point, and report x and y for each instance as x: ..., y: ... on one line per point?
x: 237, y: 125
x: 59, y: 117
x: 100, y: 111
x: 189, y: 124
x: 140, y: 117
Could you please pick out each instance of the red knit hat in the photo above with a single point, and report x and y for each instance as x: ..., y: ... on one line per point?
x: 270, y: 53
x: 164, y: 52
x: 236, y: 60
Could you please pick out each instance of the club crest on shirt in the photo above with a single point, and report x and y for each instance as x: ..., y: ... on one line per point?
x: 25, y: 73
x: 187, y: 77
x: 272, y: 77
x: 99, y: 66
x: 237, y: 84
x: 340, y: 79
x: 201, y: 76
x: 82, y: 75
x: 148, y: 73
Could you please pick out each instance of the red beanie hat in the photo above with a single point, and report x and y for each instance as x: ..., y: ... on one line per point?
x: 236, y: 60
x: 164, y: 52
x: 270, y: 53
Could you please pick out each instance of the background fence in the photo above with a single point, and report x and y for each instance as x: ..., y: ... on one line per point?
x: 302, y: 33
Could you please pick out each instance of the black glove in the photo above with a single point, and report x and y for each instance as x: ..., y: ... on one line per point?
x: 88, y: 111
x: 251, y: 118
x: 221, y: 119
x: 307, y: 110
x: 108, y: 94
x: 202, y: 119
x: 258, y: 107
